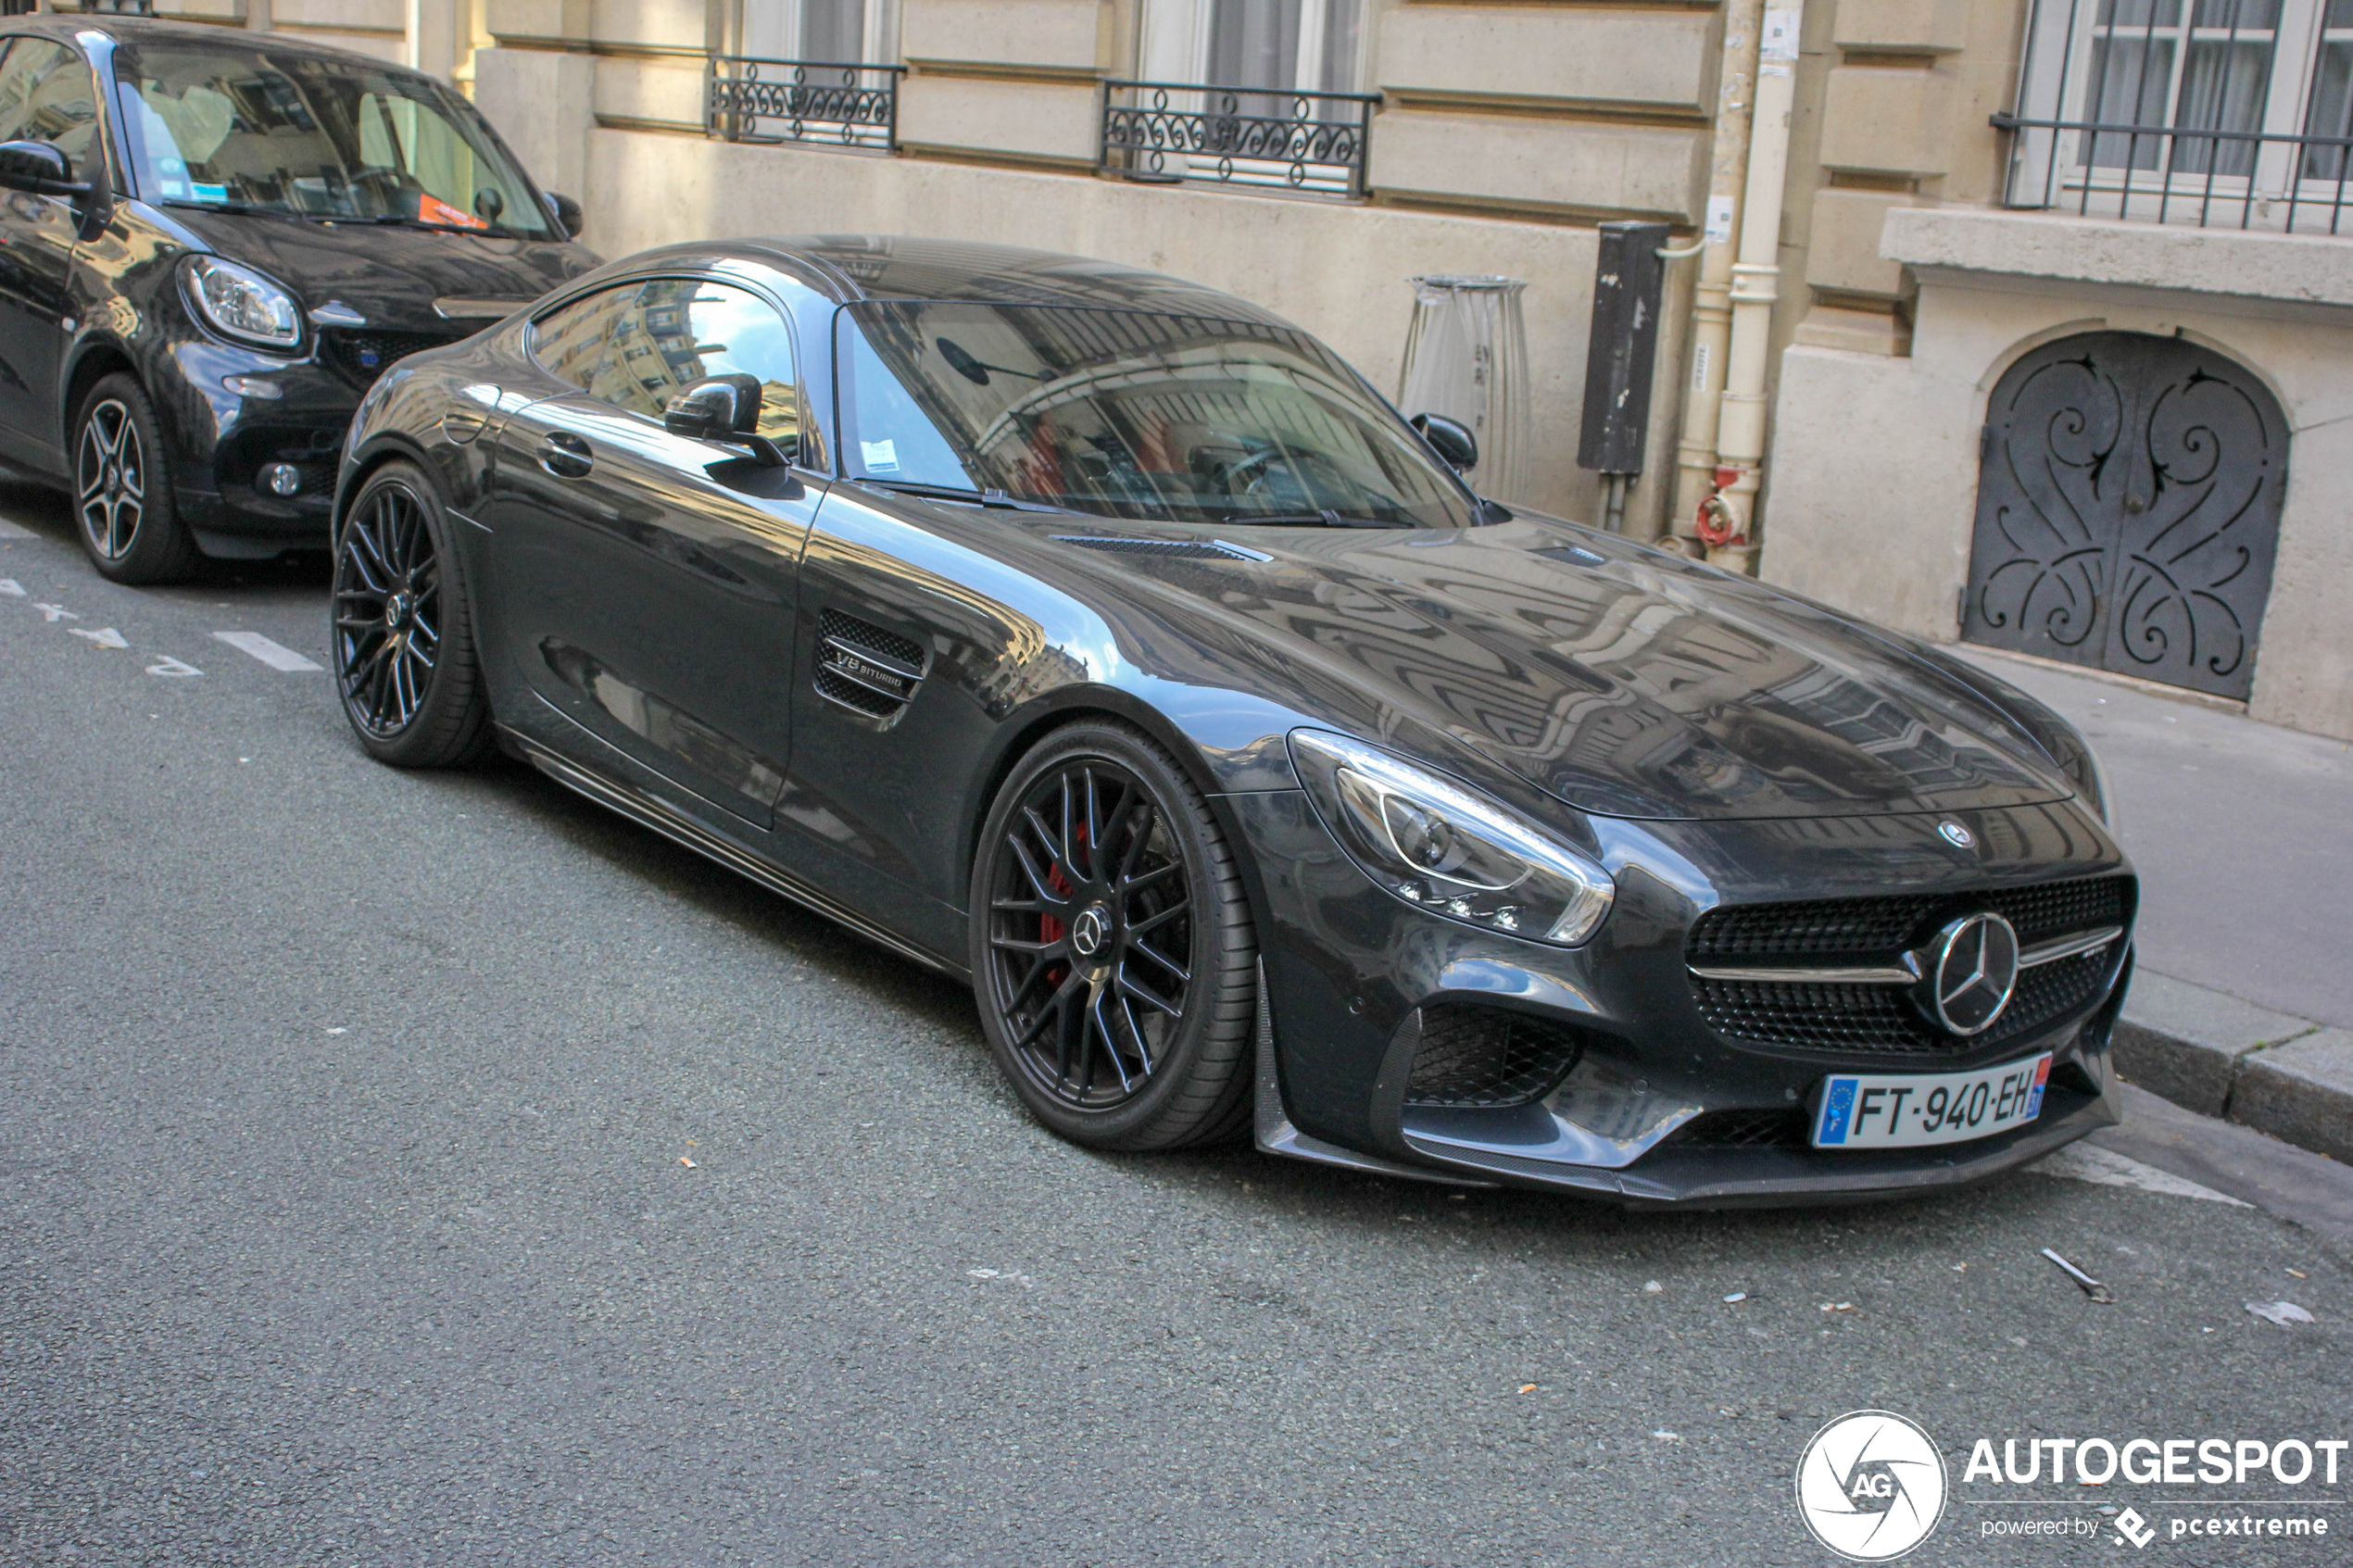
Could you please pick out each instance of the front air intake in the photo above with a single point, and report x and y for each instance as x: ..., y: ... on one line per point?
x: 1477, y: 1057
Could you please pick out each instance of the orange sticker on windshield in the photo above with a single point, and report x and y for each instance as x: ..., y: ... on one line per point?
x: 432, y: 209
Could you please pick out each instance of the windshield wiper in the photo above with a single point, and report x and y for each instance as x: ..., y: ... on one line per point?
x: 1308, y: 519
x: 246, y: 210
x: 958, y: 493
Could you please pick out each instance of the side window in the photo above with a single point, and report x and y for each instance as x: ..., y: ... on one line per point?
x: 47, y: 95
x: 571, y: 341
x: 681, y: 330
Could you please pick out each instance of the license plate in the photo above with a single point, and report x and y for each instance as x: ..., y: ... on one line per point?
x: 1909, y: 1110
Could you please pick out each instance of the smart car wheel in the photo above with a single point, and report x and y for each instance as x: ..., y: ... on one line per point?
x: 1112, y: 950
x: 403, y: 632
x: 123, y: 490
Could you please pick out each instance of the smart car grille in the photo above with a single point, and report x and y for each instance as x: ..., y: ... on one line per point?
x: 1474, y: 1056
x: 864, y: 667
x: 366, y: 356
x: 1883, y: 1020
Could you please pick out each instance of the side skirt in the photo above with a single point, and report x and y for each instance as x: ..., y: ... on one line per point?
x: 650, y: 811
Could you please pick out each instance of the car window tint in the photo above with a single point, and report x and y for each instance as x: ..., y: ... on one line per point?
x: 47, y: 95
x: 678, y: 331
x: 571, y: 342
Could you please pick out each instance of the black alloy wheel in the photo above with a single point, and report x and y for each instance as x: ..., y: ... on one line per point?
x: 123, y: 502
x: 403, y: 631
x: 1114, y: 956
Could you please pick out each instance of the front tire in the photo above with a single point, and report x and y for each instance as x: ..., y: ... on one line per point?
x: 1113, y: 952
x: 123, y: 503
x: 403, y: 628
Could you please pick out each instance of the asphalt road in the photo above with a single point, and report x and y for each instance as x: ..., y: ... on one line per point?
x: 429, y: 1169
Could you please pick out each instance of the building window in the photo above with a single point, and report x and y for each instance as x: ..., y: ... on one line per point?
x: 822, y: 31
x: 1244, y: 92
x: 2225, y: 113
x: 806, y: 70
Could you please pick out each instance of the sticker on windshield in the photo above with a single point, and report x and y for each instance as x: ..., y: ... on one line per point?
x: 432, y: 209
x: 882, y: 457
x: 205, y: 193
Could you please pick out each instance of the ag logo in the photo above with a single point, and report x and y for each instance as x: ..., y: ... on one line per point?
x: 1871, y: 1485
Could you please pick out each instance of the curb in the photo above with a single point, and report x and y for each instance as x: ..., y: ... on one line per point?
x: 2209, y: 1052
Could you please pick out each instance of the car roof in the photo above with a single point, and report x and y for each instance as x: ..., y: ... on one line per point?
x: 859, y: 267
x: 65, y: 26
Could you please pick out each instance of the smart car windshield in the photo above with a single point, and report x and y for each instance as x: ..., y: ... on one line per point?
x: 1129, y: 414
x: 292, y: 133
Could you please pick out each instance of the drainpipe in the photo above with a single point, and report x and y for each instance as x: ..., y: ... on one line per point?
x: 1740, y: 439
x: 1711, y: 303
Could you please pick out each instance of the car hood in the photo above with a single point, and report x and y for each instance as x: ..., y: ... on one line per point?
x: 1619, y: 680
x: 390, y: 275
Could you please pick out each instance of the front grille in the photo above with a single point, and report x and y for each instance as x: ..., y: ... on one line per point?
x: 364, y: 355
x: 1882, y: 1020
x: 1482, y: 1056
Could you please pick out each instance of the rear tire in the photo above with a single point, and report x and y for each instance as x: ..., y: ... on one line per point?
x: 1113, y: 952
x: 122, y: 498
x: 402, y: 628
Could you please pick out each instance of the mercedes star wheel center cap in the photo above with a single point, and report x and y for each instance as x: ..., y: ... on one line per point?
x: 1087, y: 933
x: 1974, y: 972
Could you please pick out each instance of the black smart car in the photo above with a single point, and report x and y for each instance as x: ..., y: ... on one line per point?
x: 211, y: 242
x: 1106, y: 640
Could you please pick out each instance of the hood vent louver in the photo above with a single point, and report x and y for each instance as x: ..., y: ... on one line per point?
x: 1198, y: 549
x: 864, y: 668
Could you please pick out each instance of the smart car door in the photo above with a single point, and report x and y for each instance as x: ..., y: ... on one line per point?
x: 47, y: 95
x: 646, y: 582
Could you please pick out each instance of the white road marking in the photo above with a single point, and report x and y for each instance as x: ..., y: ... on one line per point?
x: 54, y: 613
x: 105, y: 636
x: 168, y: 665
x: 275, y: 655
x: 2088, y: 1162
x: 11, y: 587
x: 15, y: 531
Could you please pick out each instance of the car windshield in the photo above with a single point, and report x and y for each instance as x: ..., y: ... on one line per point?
x: 253, y: 130
x: 1131, y: 414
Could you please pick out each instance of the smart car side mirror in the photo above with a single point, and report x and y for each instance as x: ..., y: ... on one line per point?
x: 566, y: 212
x: 1451, y: 439
x: 721, y: 408
x: 38, y: 166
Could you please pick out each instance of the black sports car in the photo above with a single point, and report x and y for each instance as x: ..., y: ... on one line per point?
x: 1106, y: 640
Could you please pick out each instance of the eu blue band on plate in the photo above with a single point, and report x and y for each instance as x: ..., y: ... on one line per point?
x: 1837, y: 1106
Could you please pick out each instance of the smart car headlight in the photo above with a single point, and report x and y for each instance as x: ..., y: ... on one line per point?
x: 241, y: 303
x: 1441, y: 848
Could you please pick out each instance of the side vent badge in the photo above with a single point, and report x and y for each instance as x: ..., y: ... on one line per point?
x: 864, y: 668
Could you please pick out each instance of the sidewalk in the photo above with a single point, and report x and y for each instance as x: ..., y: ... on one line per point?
x: 2243, y: 836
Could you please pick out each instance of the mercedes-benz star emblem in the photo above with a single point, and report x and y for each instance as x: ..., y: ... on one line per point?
x: 1956, y: 835
x: 1087, y: 933
x: 1972, y: 971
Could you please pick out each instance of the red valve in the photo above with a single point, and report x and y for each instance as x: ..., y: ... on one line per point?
x: 1718, y: 525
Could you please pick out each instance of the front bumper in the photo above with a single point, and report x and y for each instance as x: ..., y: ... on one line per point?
x: 1349, y: 972
x: 224, y: 438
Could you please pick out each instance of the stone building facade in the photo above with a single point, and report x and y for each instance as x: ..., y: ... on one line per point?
x: 1903, y: 223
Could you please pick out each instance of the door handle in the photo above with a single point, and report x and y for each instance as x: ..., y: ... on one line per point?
x: 565, y: 454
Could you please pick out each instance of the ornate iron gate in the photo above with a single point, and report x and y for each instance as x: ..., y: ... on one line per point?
x: 2127, y: 510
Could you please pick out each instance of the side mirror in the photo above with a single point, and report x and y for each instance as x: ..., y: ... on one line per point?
x: 1451, y: 439
x: 38, y: 166
x: 721, y: 408
x: 566, y: 212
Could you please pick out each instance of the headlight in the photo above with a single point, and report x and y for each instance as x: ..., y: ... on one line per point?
x: 1437, y: 845
x: 243, y: 303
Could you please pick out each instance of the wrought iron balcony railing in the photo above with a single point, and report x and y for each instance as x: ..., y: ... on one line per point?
x: 2165, y: 174
x: 1166, y: 133
x: 822, y: 103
